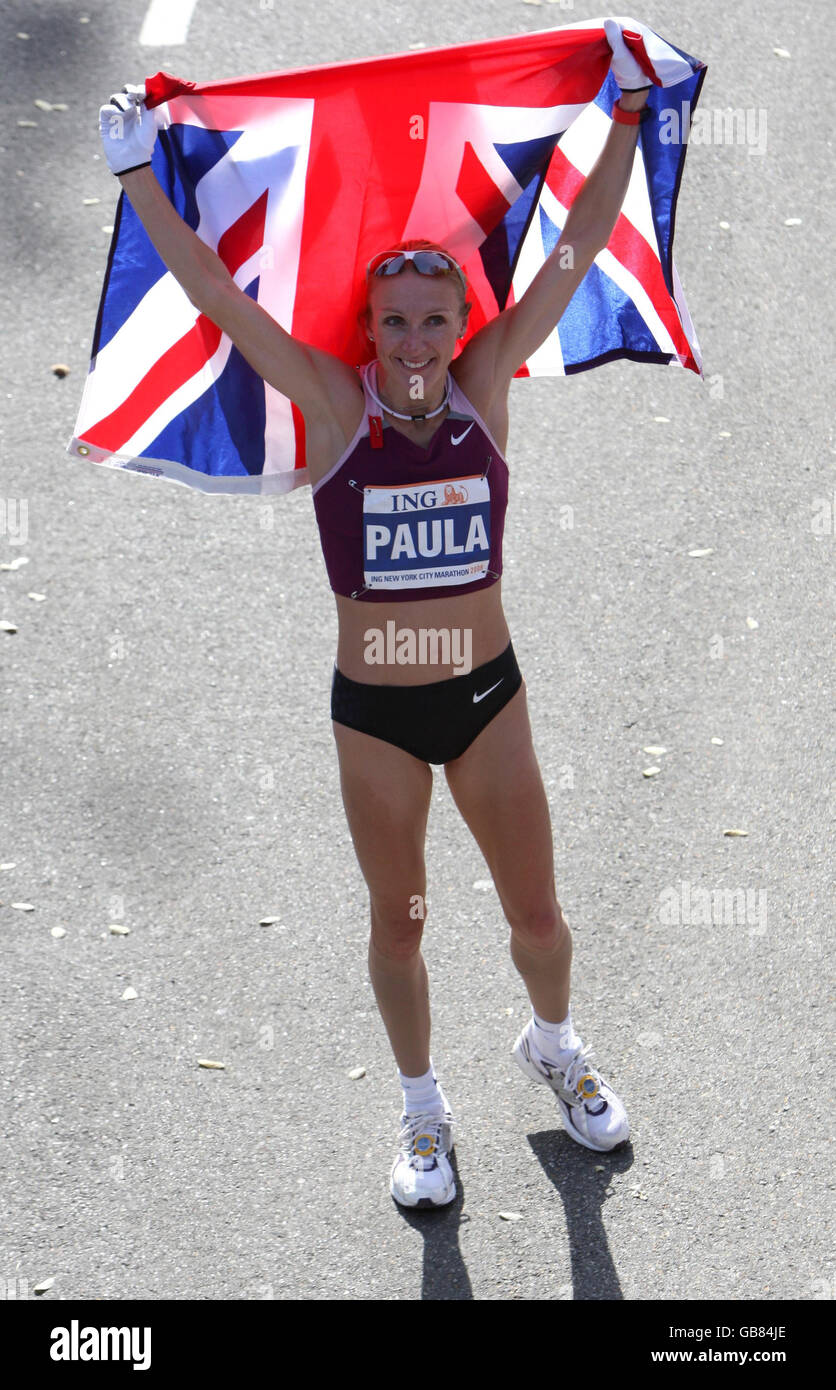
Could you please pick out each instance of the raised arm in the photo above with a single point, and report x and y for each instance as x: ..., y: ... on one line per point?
x: 503, y: 344
x: 314, y: 379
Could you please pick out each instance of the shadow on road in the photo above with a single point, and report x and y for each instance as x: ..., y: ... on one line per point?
x: 582, y: 1191
x: 445, y: 1274
x: 571, y: 1168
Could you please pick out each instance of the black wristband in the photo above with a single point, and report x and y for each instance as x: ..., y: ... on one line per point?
x: 119, y: 172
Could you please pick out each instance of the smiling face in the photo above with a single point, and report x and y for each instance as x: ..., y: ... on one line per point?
x: 416, y: 321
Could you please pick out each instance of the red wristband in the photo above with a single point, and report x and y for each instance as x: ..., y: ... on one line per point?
x: 623, y: 117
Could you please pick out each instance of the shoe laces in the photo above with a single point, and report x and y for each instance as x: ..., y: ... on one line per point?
x: 580, y: 1076
x: 424, y: 1136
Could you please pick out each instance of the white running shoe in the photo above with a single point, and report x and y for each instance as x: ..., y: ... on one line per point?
x: 421, y: 1174
x: 591, y: 1111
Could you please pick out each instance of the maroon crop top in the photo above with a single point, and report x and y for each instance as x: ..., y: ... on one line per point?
x: 400, y: 521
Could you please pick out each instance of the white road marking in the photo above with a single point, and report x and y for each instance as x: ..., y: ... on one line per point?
x: 166, y: 22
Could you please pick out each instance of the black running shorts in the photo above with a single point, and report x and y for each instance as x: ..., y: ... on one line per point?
x: 434, y: 722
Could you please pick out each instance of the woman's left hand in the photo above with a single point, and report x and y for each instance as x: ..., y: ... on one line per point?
x: 629, y: 75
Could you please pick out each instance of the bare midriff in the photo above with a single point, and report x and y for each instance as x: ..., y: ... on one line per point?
x: 478, y: 619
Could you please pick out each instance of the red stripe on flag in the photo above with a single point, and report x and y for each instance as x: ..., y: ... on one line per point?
x: 635, y: 43
x: 170, y: 371
x: 631, y: 249
x: 298, y: 436
x: 187, y: 356
x: 244, y: 237
x: 486, y: 204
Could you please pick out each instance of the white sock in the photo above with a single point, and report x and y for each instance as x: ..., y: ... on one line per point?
x: 556, y: 1042
x: 422, y: 1093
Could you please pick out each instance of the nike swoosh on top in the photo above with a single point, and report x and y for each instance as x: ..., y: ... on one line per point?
x: 477, y: 698
x: 457, y: 438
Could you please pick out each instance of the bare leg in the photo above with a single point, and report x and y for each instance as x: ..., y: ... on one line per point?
x: 386, y: 793
x: 497, y: 786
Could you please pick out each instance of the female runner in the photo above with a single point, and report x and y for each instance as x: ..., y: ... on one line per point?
x: 419, y: 432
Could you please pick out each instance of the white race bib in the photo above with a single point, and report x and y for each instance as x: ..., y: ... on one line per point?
x: 422, y: 535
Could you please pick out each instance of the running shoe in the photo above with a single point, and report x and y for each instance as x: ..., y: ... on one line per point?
x: 590, y: 1110
x: 421, y: 1174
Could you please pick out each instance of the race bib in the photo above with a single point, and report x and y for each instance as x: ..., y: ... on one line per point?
x: 422, y: 535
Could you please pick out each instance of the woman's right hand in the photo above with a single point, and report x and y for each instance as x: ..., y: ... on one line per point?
x: 128, y: 130
x: 323, y: 386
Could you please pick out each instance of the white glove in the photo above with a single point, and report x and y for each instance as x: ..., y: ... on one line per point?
x: 128, y: 130
x: 626, y: 71
x: 668, y: 66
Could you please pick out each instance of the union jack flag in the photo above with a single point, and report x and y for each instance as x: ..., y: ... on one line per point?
x: 296, y: 179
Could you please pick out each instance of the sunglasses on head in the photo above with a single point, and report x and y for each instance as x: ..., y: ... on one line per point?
x: 425, y: 262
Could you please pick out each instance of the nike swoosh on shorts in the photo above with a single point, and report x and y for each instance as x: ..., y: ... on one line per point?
x: 477, y: 698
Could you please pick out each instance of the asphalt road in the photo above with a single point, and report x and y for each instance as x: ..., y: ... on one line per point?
x: 168, y: 763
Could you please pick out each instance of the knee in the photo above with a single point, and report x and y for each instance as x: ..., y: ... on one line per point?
x: 397, y: 927
x: 540, y: 927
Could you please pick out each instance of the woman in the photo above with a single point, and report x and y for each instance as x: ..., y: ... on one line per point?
x: 410, y: 487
